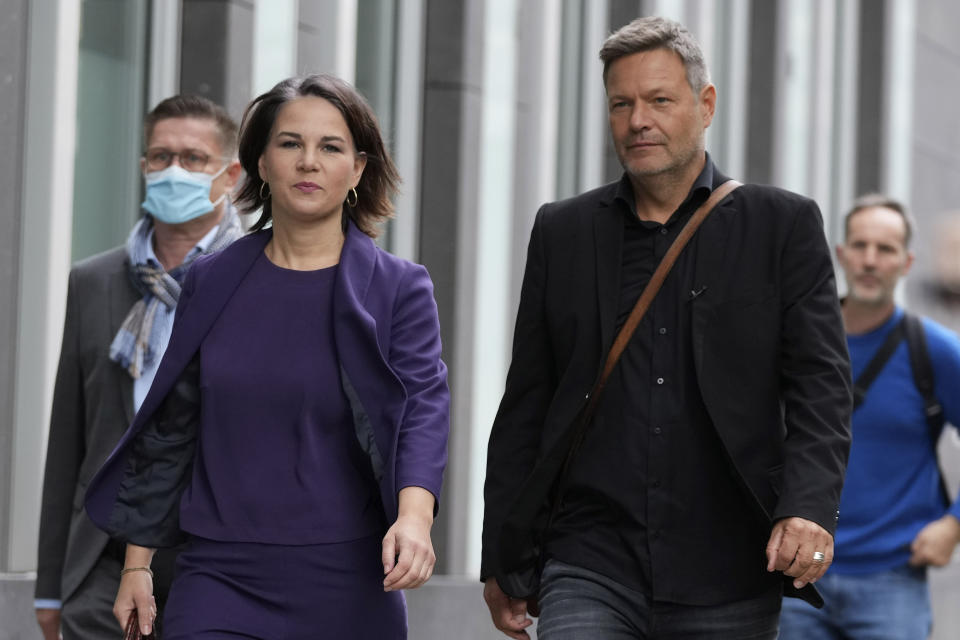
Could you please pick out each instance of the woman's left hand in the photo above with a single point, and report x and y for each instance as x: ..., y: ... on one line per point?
x: 408, y: 556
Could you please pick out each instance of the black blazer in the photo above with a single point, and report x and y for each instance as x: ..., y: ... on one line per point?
x: 92, y: 407
x: 768, y: 340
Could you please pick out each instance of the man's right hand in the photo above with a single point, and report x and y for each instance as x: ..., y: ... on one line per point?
x: 935, y: 543
x: 49, y: 621
x: 136, y: 593
x: 509, y: 614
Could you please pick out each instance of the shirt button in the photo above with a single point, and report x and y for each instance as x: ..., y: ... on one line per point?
x: 663, y: 231
x: 663, y: 331
x: 656, y: 483
x: 659, y: 380
x: 657, y: 430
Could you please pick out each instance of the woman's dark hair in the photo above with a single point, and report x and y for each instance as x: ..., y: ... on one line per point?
x: 380, y: 179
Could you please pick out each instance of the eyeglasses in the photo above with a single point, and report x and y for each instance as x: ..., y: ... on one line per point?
x: 190, y: 159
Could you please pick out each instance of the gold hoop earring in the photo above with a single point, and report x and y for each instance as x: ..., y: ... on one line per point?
x: 352, y: 192
x: 262, y: 185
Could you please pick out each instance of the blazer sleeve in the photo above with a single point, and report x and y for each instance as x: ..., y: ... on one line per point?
x: 135, y: 496
x: 531, y: 382
x: 414, y: 356
x: 157, y: 468
x: 815, y: 376
x: 65, y: 453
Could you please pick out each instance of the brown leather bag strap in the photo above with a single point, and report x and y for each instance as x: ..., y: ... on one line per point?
x: 653, y: 287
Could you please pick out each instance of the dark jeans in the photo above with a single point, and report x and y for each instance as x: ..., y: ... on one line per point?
x: 579, y: 604
x: 890, y: 605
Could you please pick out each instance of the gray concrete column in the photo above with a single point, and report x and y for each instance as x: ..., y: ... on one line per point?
x: 327, y: 35
x: 216, y: 57
x: 538, y: 126
x: 17, y: 619
x: 13, y: 106
x: 761, y: 88
x: 448, y: 207
x: 870, y: 92
x: 935, y: 174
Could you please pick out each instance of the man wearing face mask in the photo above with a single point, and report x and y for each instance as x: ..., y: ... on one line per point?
x: 120, y: 308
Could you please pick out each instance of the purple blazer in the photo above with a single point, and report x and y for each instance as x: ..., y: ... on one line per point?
x: 387, y: 335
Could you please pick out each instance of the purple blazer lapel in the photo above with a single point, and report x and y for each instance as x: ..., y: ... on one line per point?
x: 355, y: 327
x: 225, y: 272
x: 196, y: 313
x: 376, y: 395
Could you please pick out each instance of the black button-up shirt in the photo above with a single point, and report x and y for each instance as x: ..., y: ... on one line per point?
x: 650, y: 499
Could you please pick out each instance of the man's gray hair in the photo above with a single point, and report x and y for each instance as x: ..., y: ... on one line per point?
x: 647, y: 34
x: 881, y: 201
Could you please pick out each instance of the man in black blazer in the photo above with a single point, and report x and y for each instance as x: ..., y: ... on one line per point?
x: 707, y: 484
x: 119, y: 313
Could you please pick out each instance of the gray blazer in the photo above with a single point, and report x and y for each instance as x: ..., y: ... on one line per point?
x: 92, y: 408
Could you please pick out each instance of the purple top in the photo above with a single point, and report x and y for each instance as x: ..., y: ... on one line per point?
x: 387, y: 339
x: 278, y: 460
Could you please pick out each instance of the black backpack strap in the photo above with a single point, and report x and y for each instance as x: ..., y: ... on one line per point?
x: 924, y: 381
x: 875, y: 366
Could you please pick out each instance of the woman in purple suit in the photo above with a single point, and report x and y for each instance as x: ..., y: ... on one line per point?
x: 294, y: 438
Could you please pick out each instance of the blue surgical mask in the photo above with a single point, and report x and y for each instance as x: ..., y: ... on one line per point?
x: 175, y: 195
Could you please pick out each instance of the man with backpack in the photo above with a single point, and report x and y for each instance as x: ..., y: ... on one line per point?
x: 895, y: 515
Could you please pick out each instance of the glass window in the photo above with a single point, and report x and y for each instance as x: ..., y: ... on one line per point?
x: 110, y: 107
x: 583, y: 160
x: 375, y: 79
x: 568, y: 138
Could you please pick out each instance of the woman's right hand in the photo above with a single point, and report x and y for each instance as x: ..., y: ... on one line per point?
x: 136, y: 589
x: 136, y: 593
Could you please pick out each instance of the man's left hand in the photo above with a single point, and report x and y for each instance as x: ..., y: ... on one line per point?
x: 794, y: 546
x: 935, y: 543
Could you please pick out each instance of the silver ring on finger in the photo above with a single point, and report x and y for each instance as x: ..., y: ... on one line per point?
x: 819, y: 557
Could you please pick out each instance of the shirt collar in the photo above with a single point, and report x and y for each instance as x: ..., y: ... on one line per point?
x: 699, y: 192
x: 201, y: 247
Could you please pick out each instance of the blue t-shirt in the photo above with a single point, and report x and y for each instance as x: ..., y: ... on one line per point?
x: 892, y: 484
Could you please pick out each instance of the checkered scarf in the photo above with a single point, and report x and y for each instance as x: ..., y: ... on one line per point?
x: 137, y: 342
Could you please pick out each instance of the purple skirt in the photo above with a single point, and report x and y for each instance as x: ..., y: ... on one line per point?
x: 281, y: 592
